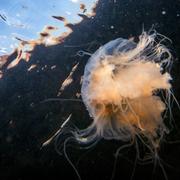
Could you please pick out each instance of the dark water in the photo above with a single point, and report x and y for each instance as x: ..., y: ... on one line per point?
x: 26, y: 123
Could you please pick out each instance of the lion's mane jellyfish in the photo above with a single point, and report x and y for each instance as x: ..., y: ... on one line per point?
x: 122, y: 86
x: 127, y: 91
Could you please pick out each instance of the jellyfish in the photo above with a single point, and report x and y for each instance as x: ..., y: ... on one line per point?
x: 120, y: 89
x: 126, y: 89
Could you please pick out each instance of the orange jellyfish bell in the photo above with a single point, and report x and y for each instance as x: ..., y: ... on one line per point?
x: 119, y: 89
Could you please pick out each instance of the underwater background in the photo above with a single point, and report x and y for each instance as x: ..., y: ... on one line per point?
x: 33, y: 74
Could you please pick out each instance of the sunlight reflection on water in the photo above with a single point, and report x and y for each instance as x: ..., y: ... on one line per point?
x: 25, y: 19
